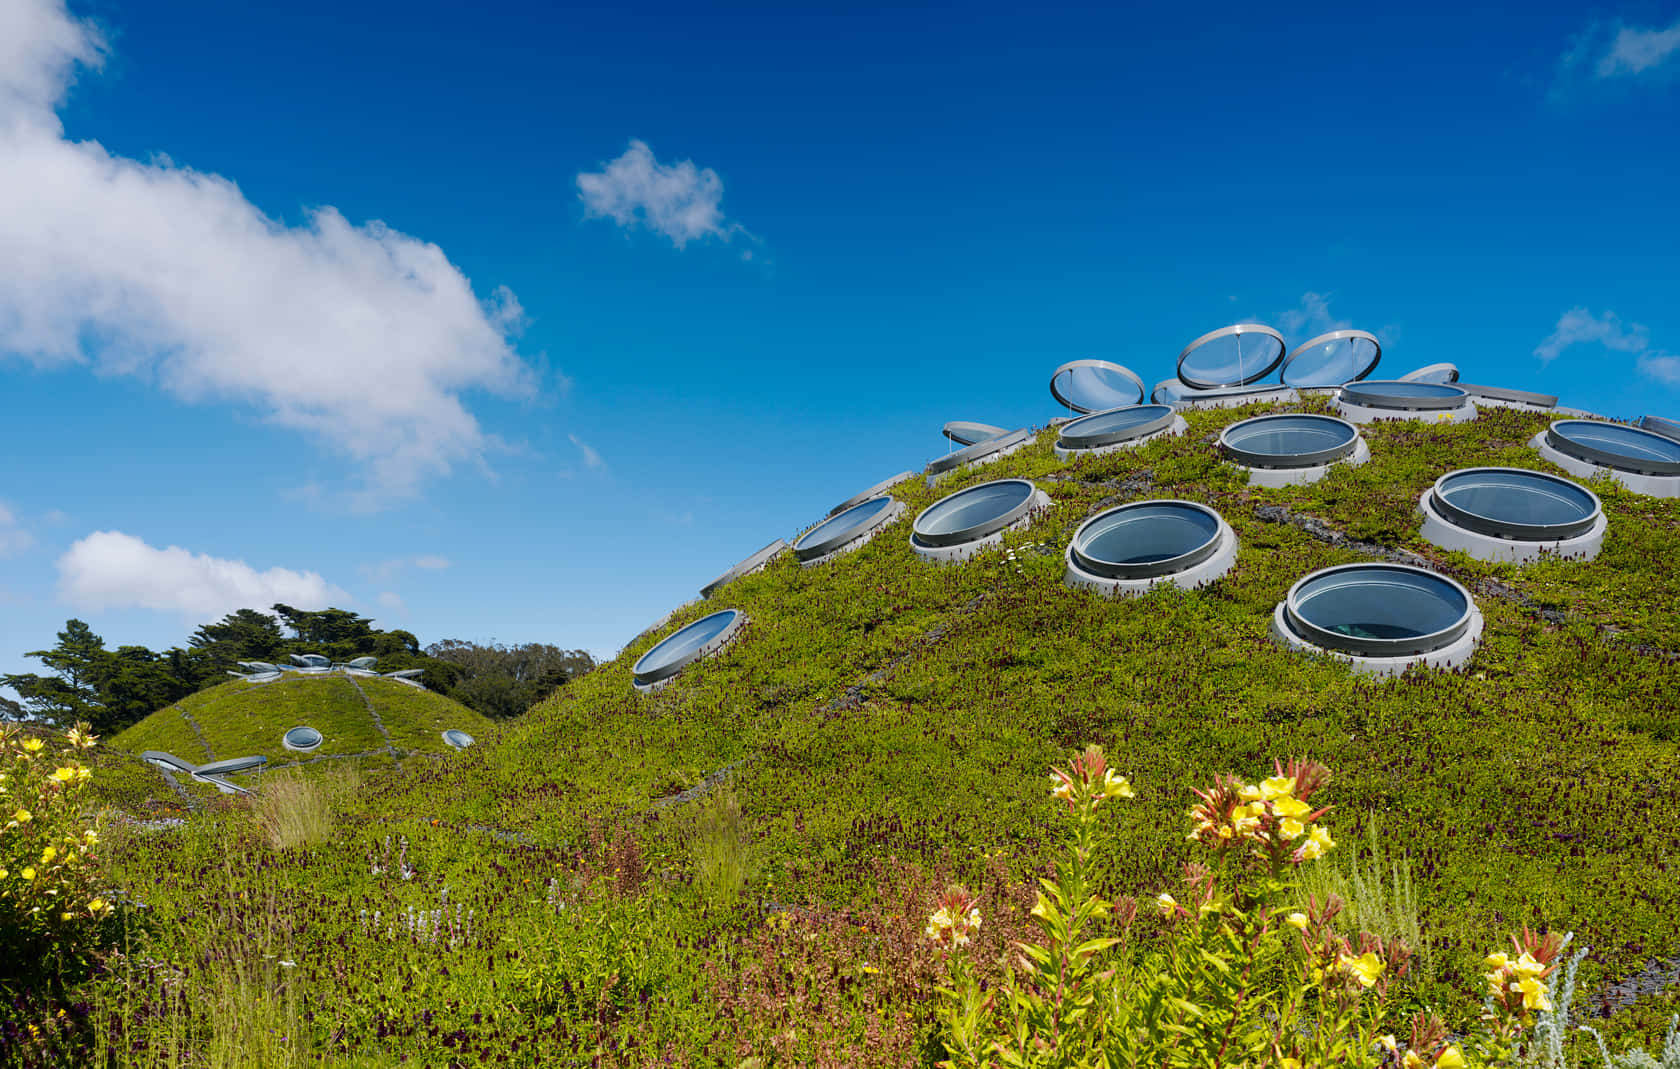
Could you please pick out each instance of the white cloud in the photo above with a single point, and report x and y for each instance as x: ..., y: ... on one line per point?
x: 360, y: 337
x: 1634, y: 51
x: 113, y: 570
x: 385, y: 569
x: 14, y: 539
x: 391, y: 600
x: 431, y: 562
x: 1661, y: 366
x: 680, y: 201
x: 591, y: 459
x: 1310, y: 318
x: 1579, y: 325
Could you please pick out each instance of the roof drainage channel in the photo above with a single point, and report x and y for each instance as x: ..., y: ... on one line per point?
x: 755, y: 563
x: 958, y: 527
x: 1380, y: 618
x: 1292, y: 448
x: 1230, y: 356
x: 1118, y: 428
x: 702, y: 638
x: 1512, y: 514
x: 1500, y: 397
x: 874, y: 491
x: 964, y: 432
x: 983, y: 453
x: 846, y: 531
x: 1643, y: 462
x: 1333, y: 359
x: 1095, y: 386
x: 1125, y: 551
x: 1383, y: 399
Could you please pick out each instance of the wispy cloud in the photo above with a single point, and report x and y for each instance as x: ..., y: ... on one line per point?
x: 169, y: 274
x: 14, y: 537
x: 1310, y: 318
x: 591, y: 459
x: 385, y: 569
x: 1579, y: 326
x: 1635, y: 50
x: 113, y: 570
x: 1612, y: 50
x: 679, y: 201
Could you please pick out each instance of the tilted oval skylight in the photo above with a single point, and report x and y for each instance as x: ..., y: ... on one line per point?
x: 846, y: 527
x: 1515, y: 503
x: 746, y: 567
x: 1613, y: 445
x: 874, y: 491
x: 1146, y: 539
x: 1504, y: 395
x: 1332, y: 359
x: 1668, y: 428
x: 456, y: 739
x: 301, y: 738
x: 687, y: 645
x: 1289, y: 440
x: 1095, y: 386
x: 1405, y: 396
x: 1230, y: 356
x: 980, y: 451
x: 1442, y: 372
x: 974, y: 513
x: 1378, y: 610
x: 964, y: 432
x: 1115, y: 426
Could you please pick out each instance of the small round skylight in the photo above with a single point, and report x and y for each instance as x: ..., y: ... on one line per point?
x: 1381, y: 399
x: 686, y: 645
x: 846, y: 530
x: 874, y: 491
x: 1117, y: 427
x: 301, y: 739
x: 1381, y: 617
x: 1512, y: 514
x: 981, y: 453
x: 1501, y: 397
x: 1332, y: 359
x: 458, y: 740
x: 1095, y: 386
x: 1432, y: 373
x: 1292, y: 448
x: 1668, y: 428
x: 1230, y: 356
x: 965, y: 433
x: 1613, y: 445
x: 747, y: 567
x: 969, y: 520
x: 1127, y: 549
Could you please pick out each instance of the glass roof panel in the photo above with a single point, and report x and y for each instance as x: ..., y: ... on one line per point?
x: 1230, y: 356
x: 1095, y: 386
x: 1332, y: 359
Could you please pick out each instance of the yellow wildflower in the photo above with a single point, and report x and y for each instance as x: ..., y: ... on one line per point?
x: 48, y: 854
x: 90, y: 838
x: 1497, y: 960
x: 32, y: 745
x: 28, y: 874
x: 97, y: 905
x: 1167, y: 903
x: 22, y: 816
x: 1291, y: 828
x: 1365, y: 969
x: 1411, y: 1060
x: 1533, y: 993
x: 1277, y: 787
x: 1291, y: 807
x: 63, y: 774
x: 1526, y: 966
x: 1116, y: 786
x: 1450, y: 1059
x: 1297, y: 920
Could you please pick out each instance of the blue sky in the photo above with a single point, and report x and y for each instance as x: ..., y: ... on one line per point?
x: 523, y: 324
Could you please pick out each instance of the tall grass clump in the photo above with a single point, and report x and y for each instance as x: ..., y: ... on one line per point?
x: 720, y: 846
x: 294, y: 810
x: 1377, y: 892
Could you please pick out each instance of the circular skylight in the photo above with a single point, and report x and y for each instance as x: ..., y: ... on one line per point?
x: 1095, y: 386
x: 458, y: 740
x: 1167, y: 392
x: 1391, y: 613
x: 965, y: 433
x: 856, y: 523
x: 1432, y: 373
x: 971, y: 519
x: 1129, y: 548
x: 1116, y: 426
x: 746, y: 567
x: 1614, y: 445
x: 874, y: 491
x: 301, y: 738
x: 1512, y: 514
x: 1289, y: 440
x: 990, y: 449
x: 1230, y: 356
x: 1668, y: 428
x: 687, y: 645
x: 1332, y: 359
x: 1500, y: 396
x: 1406, y: 396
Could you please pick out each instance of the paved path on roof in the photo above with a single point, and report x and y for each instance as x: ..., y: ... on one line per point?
x: 378, y: 723
x: 198, y: 733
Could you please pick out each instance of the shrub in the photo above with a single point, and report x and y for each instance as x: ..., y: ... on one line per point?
x: 294, y: 810
x: 720, y: 846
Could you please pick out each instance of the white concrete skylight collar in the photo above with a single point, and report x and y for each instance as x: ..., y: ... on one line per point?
x: 1644, y: 462
x: 1385, y: 399
x: 981, y: 453
x: 456, y: 739
x: 1333, y: 359
x: 1095, y: 386
x: 1381, y: 618
x: 846, y: 531
x: 683, y: 647
x: 1236, y: 355
x: 1128, y: 549
x: 754, y: 563
x: 960, y: 526
x: 301, y: 739
x: 1512, y: 514
x: 1292, y: 448
x: 1118, y: 428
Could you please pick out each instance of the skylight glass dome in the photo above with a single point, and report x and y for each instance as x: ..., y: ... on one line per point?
x: 1095, y: 386
x: 1230, y: 356
x: 874, y: 491
x: 1432, y: 373
x: 301, y: 739
x: 752, y: 564
x: 1501, y: 397
x: 963, y: 432
x: 1512, y: 514
x: 1643, y: 462
x: 1118, y: 428
x: 457, y: 740
x: 1292, y: 448
x: 1381, y: 618
x: 1668, y: 428
x: 683, y: 647
x: 1130, y: 548
x: 1382, y: 399
x: 981, y: 453
x: 847, y: 530
x: 957, y: 527
x: 1332, y: 359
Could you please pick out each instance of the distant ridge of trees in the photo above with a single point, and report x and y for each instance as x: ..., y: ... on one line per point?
x: 113, y: 688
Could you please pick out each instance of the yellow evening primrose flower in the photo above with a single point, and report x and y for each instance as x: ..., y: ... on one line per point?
x: 96, y: 906
x: 32, y: 745
x: 1411, y: 1060
x: 28, y: 874
x: 1291, y: 807
x: 48, y: 854
x: 90, y: 838
x: 1116, y: 786
x: 1389, y: 1043
x: 1366, y: 968
x: 1291, y: 828
x: 1533, y: 993
x: 3, y: 872
x: 1060, y: 788
x: 22, y: 816
x: 1277, y: 787
x: 1249, y: 792
x: 1167, y: 903
x: 63, y: 774
x: 1450, y: 1059
x: 1497, y: 960
x: 1297, y: 920
x: 1527, y: 966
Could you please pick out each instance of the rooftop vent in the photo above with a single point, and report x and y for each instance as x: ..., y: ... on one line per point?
x: 1095, y: 386
x: 301, y: 739
x: 1126, y: 550
x: 1292, y: 449
x: 752, y: 564
x: 1384, y: 399
x: 965, y: 433
x: 1512, y: 514
x: 970, y: 520
x: 1118, y: 428
x: 1644, y: 462
x: 980, y: 453
x: 457, y: 740
x: 1381, y: 618
x: 846, y: 531
x: 683, y: 647
x: 1333, y: 359
x: 1432, y: 373
x: 1230, y: 356
x: 874, y: 491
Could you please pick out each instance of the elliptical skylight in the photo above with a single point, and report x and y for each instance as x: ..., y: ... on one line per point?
x: 1501, y: 397
x: 747, y: 567
x: 857, y: 525
x: 1668, y: 428
x: 1613, y: 445
x: 969, y: 520
x: 1332, y: 359
x: 1230, y: 356
x: 1116, y: 427
x: 874, y: 491
x: 1512, y: 514
x: 456, y: 739
x: 1095, y: 386
x: 1432, y: 373
x: 1292, y: 448
x: 301, y: 739
x: 1127, y: 549
x: 683, y: 647
x: 1380, y: 399
x: 964, y: 432
x: 982, y: 452
x: 1381, y: 617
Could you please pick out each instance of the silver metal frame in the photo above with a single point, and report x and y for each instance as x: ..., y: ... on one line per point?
x: 1369, y: 395
x: 980, y: 451
x: 752, y: 563
x: 1334, y: 335
x: 980, y: 530
x: 1517, y: 532
x: 841, y: 536
x: 1376, y: 647
x: 1282, y: 461
x: 967, y: 432
x: 1152, y: 569
x: 1235, y: 329
x: 1105, y: 365
x: 1075, y: 440
x: 1501, y: 393
x: 1603, y: 457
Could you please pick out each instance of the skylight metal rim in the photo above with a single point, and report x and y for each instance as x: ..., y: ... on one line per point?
x: 874, y: 491
x: 973, y: 534
x: 846, y: 535
x: 1362, y: 396
x: 1334, y: 335
x: 1665, y: 428
x: 1126, y: 434
x: 978, y: 451
x: 286, y: 739
x: 1106, y: 365
x: 1272, y: 461
x: 1445, y: 366
x: 661, y: 673
x: 1620, y: 462
x: 1336, y: 642
x: 958, y: 430
x: 746, y: 567
x: 1107, y: 569
x: 1505, y: 393
x: 1514, y: 532
x: 1233, y: 329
